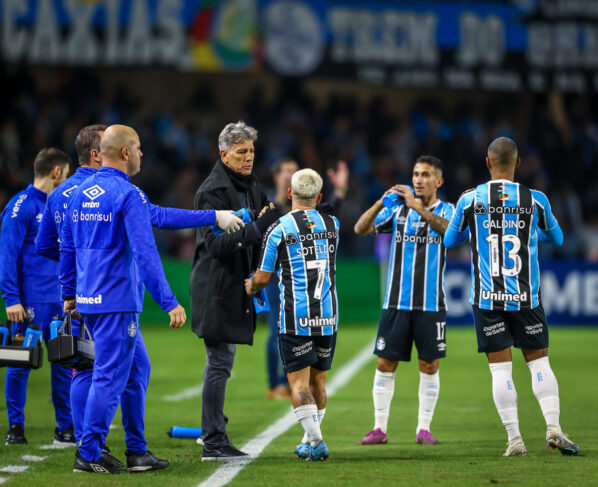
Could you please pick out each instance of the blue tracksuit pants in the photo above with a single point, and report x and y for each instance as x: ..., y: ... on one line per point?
x: 132, y: 403
x: 120, y: 374
x: 17, y: 378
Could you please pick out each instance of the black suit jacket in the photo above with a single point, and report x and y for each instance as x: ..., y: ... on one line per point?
x: 221, y: 311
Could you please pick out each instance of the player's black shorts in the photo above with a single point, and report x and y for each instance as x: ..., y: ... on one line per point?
x: 497, y: 330
x: 299, y: 352
x: 398, y: 329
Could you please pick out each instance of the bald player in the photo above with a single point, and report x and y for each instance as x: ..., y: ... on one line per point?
x: 107, y: 257
x: 506, y: 220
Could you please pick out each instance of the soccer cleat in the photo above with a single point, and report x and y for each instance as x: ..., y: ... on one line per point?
x: 106, y: 464
x: 226, y: 452
x: 16, y: 435
x: 424, y: 437
x: 515, y: 448
x: 141, y: 462
x: 302, y: 450
x: 318, y: 454
x: 557, y: 439
x: 376, y: 437
x: 65, y: 437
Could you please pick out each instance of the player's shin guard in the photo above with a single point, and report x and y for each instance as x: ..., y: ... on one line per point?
x: 546, y: 390
x: 321, y: 413
x: 308, y: 417
x: 384, y: 388
x: 429, y: 387
x: 505, y: 397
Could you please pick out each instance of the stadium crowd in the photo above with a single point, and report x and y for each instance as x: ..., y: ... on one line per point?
x: 558, y: 138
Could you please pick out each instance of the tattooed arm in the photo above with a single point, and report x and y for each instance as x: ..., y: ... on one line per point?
x: 435, y: 221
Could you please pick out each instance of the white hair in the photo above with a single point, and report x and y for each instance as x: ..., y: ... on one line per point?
x: 306, y: 184
x: 234, y: 133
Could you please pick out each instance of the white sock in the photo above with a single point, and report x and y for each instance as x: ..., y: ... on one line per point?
x: 308, y: 417
x: 505, y: 397
x: 429, y: 386
x: 384, y: 388
x: 546, y: 390
x: 321, y: 413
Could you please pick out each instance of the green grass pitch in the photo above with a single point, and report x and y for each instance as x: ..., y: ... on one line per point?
x: 466, y: 422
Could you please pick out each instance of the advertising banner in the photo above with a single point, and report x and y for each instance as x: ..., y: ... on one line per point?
x: 538, y: 45
x: 569, y: 292
x: 207, y: 35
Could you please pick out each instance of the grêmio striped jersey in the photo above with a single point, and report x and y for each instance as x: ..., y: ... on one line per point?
x: 417, y: 258
x: 301, y: 247
x: 504, y: 218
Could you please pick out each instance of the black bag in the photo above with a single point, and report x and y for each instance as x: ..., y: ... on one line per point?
x: 19, y: 356
x: 72, y: 351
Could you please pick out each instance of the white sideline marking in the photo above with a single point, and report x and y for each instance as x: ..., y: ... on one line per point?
x: 3, y: 479
x: 188, y: 393
x: 32, y: 458
x: 14, y: 468
x: 56, y: 447
x: 113, y: 427
x: 229, y: 470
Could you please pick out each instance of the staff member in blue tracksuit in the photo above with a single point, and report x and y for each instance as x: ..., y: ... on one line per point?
x: 87, y: 144
x: 108, y: 254
x: 30, y: 290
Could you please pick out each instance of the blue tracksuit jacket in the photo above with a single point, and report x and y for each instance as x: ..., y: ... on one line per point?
x: 47, y: 243
x: 25, y: 276
x: 108, y: 251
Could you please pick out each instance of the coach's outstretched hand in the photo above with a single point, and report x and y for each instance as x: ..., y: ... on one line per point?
x: 177, y: 316
x: 228, y: 222
x: 267, y: 217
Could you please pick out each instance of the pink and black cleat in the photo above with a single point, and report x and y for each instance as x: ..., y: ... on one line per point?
x: 376, y: 437
x: 424, y: 437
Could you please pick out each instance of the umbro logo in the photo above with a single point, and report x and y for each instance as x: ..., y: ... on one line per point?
x: 98, y: 468
x: 479, y: 209
x: 94, y: 192
x: 67, y: 192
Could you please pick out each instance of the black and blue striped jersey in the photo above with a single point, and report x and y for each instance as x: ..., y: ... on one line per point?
x: 301, y: 248
x: 417, y: 258
x: 505, y: 220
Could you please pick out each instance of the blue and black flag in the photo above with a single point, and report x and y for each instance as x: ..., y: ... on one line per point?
x: 302, y: 248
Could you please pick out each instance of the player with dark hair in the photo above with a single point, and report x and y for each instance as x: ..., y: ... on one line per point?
x: 506, y: 220
x: 414, y: 308
x: 301, y: 248
x: 31, y: 291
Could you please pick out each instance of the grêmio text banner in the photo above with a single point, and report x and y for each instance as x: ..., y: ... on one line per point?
x: 515, y: 45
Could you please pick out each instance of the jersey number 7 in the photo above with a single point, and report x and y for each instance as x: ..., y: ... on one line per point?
x: 320, y: 265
